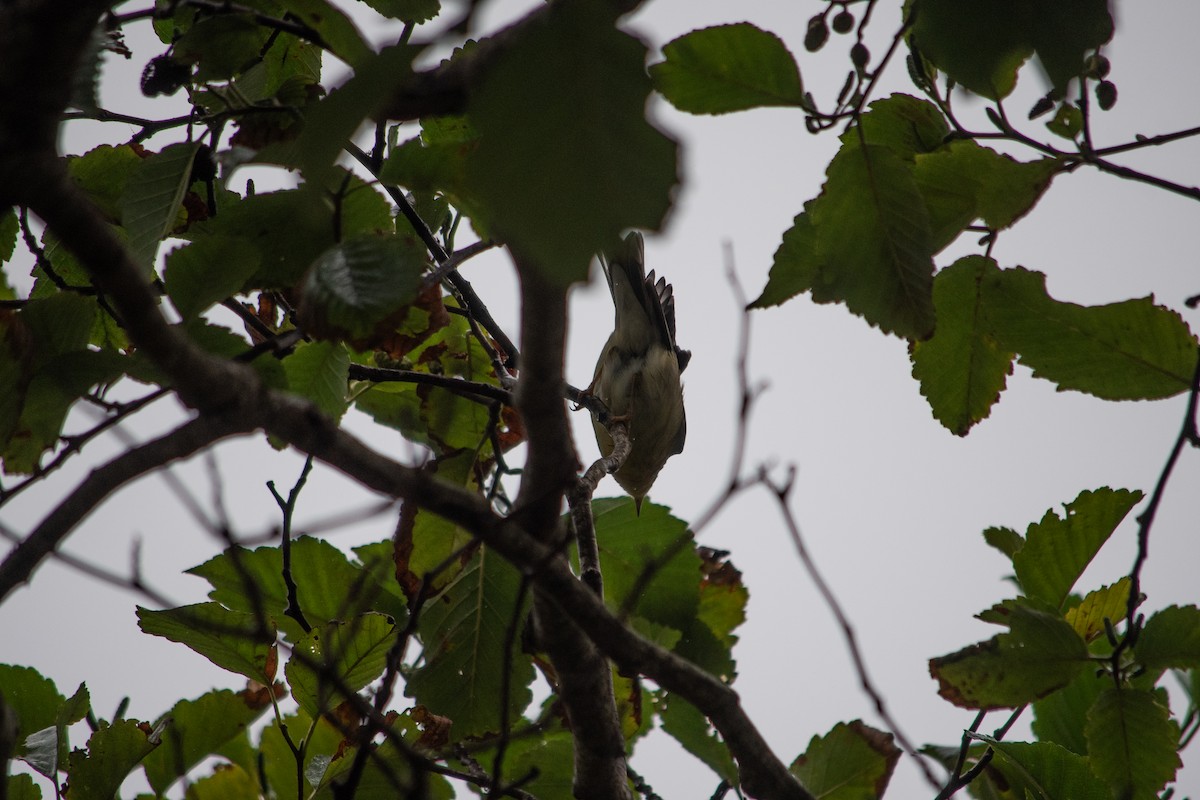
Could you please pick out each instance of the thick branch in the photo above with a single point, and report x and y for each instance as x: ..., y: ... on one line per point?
x: 584, y: 676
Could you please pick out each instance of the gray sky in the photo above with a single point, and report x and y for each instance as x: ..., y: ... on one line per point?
x: 892, y: 505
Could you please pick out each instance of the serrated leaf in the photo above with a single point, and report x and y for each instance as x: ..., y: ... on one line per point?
x: 31, y: 696
x: 651, y: 544
x: 322, y: 741
x: 196, y: 729
x: 1132, y: 350
x: 227, y: 782
x: 236, y: 641
x: 981, y: 46
x: 1132, y: 743
x: 1058, y: 549
x: 407, y: 10
x: 1170, y: 639
x: 1045, y: 770
x: 852, y: 762
x: 1061, y: 716
x: 112, y: 753
x: 329, y: 124
x: 10, y: 226
x: 103, y: 173
x: 963, y: 181
x: 686, y: 725
x: 873, y: 250
x: 728, y: 68
x: 1040, y: 653
x: 207, y: 271
x: 359, y: 283
x: 1006, y: 540
x: 336, y: 658
x: 151, y: 200
x: 22, y: 787
x: 329, y: 586
x: 335, y: 27
x: 962, y: 369
x: 1107, y: 602
x: 906, y: 125
x: 551, y: 759
x: 567, y: 159
x: 320, y: 371
x: 464, y: 631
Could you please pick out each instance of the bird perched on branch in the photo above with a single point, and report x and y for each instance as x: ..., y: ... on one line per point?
x: 637, y: 375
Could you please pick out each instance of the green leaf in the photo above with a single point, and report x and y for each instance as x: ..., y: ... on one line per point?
x: 291, y: 228
x: 961, y: 368
x: 1170, y: 639
x: 865, y: 242
x: 1061, y: 717
x: 103, y: 173
x: 208, y: 271
x: 728, y: 68
x: 407, y: 10
x: 322, y: 741
x: 464, y: 631
x: 112, y: 753
x: 723, y: 596
x: 31, y: 696
x: 445, y: 421
x: 1067, y: 122
x: 22, y: 787
x: 10, y: 227
x: 425, y: 542
x: 652, y: 553
x: 1063, y: 32
x: 1040, y: 653
x: 553, y: 758
x: 906, y: 125
x: 336, y: 658
x: 360, y: 284
x: 329, y: 586
x: 567, y: 160
x: 1133, y: 350
x: 329, y: 124
x: 320, y: 371
x: 981, y: 46
x: 690, y: 728
x: 1107, y: 602
x: 1058, y: 549
x: 221, y: 46
x: 47, y: 749
x: 228, y: 782
x: 1006, y: 540
x: 852, y: 762
x: 1132, y: 743
x: 963, y: 181
x: 196, y: 729
x: 1045, y: 770
x: 152, y: 198
x: 236, y: 641
x: 333, y: 25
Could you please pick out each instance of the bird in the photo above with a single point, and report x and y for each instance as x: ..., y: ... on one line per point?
x: 638, y: 372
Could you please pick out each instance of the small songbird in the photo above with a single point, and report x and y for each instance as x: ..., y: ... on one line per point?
x: 637, y: 375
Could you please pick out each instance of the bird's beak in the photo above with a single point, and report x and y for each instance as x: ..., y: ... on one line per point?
x: 637, y: 505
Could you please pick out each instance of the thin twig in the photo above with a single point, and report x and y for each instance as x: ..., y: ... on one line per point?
x: 781, y: 493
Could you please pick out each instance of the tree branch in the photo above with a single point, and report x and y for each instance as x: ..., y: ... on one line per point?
x: 584, y: 676
x: 184, y: 441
